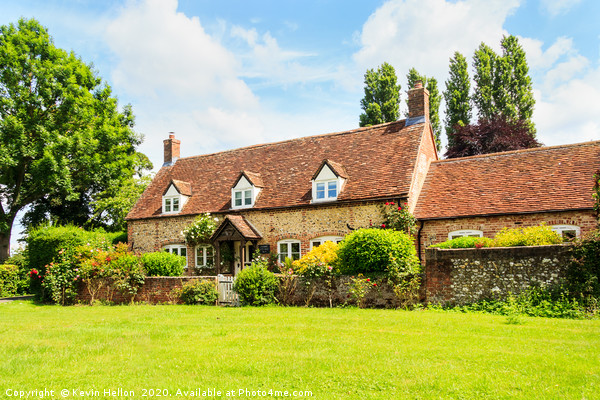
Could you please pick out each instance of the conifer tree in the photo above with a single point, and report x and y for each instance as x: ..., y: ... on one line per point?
x: 382, y: 96
x: 456, y: 95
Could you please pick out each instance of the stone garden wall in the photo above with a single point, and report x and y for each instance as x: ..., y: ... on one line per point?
x: 460, y: 276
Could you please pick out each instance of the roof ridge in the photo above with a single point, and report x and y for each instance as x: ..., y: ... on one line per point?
x: 259, y: 145
x: 506, y: 153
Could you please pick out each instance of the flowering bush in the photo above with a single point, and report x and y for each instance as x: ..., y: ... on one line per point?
x: 60, y: 280
x: 358, y: 287
x: 529, y: 236
x: 318, y: 267
x: 201, y: 229
x: 316, y: 261
x: 465, y: 242
x: 397, y: 217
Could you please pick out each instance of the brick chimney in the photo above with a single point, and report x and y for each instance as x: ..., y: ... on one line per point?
x: 172, y: 147
x: 418, y: 102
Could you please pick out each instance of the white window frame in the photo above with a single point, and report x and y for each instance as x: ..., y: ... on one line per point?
x: 561, y: 229
x: 203, y: 248
x: 176, y: 249
x: 323, y: 239
x: 168, y: 201
x: 289, y: 252
x: 247, y: 192
x: 465, y: 232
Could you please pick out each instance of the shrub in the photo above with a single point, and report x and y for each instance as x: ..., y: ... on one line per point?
x: 127, y: 274
x: 256, y: 286
x: 583, y: 273
x: 161, y: 263
x: 20, y: 259
x: 358, y: 288
x: 372, y: 250
x: 318, y: 267
x: 325, y: 255
x: 59, y: 282
x: 9, y: 280
x: 529, y: 236
x: 465, y: 242
x: 397, y: 217
x: 199, y: 292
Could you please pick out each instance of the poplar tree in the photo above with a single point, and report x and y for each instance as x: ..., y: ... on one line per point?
x: 502, y: 83
x: 382, y: 96
x: 435, y: 99
x: 456, y: 95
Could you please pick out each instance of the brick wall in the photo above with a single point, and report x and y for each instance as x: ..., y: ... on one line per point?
x: 156, y: 289
x: 436, y: 231
x: 459, y: 276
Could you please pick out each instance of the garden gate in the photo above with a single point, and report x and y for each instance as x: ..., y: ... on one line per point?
x: 227, y: 295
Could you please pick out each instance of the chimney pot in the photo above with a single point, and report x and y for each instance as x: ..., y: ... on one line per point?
x: 171, y: 149
x: 418, y: 84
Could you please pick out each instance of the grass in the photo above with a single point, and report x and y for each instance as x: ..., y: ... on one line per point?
x: 334, y: 353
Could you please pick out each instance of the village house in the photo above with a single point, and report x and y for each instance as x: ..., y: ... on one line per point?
x: 290, y: 196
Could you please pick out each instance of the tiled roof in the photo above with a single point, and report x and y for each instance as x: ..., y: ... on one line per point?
x: 182, y: 187
x: 254, y: 178
x: 243, y: 226
x: 337, y: 169
x: 378, y: 161
x: 523, y: 181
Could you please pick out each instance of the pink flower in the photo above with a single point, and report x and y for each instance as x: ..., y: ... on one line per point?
x: 374, y: 284
x: 399, y: 208
x: 383, y: 225
x: 392, y: 203
x: 387, y: 204
x: 368, y: 280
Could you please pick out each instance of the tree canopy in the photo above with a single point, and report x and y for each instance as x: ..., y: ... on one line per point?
x: 62, y: 137
x: 382, y: 96
x: 491, y: 136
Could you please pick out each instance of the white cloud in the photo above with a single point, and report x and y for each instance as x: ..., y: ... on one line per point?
x: 164, y: 54
x: 425, y: 33
x: 556, y: 7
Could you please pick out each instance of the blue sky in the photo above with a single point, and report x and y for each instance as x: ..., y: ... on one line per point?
x: 225, y: 74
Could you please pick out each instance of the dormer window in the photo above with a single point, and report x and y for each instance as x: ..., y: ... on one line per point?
x: 175, y: 196
x: 328, y: 181
x: 246, y: 189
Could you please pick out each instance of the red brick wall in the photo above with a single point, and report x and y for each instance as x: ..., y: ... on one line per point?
x: 437, y: 231
x: 156, y: 289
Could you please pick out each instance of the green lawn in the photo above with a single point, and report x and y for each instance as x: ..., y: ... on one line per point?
x: 334, y: 353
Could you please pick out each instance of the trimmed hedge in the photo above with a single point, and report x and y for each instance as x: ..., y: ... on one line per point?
x: 256, y: 286
x: 529, y: 236
x: 374, y: 250
x: 161, y: 263
x: 9, y: 280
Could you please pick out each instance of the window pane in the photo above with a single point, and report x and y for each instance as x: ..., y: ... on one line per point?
x: 167, y: 205
x: 183, y: 251
x: 210, y: 256
x: 175, y: 204
x: 238, y: 198
x: 316, y: 243
x: 295, y: 251
x: 247, y: 197
x: 570, y: 234
x: 332, y: 189
x: 200, y: 256
x: 320, y: 190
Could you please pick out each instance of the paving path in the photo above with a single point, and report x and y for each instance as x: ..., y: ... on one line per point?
x: 9, y: 299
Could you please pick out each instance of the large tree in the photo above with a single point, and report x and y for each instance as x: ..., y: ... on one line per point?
x: 435, y: 99
x: 502, y: 83
x: 62, y: 136
x: 382, y: 96
x: 456, y: 95
x: 491, y: 136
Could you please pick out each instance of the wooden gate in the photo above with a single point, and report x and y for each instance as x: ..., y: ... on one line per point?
x: 227, y: 296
